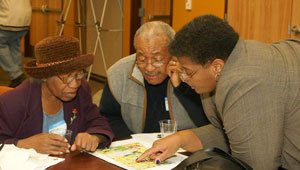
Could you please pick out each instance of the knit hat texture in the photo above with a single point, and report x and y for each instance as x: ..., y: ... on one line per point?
x: 57, y: 55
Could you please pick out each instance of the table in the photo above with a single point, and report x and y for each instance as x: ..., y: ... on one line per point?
x: 81, y: 161
x: 77, y: 160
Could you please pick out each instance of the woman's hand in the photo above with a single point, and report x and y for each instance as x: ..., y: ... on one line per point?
x: 85, y: 142
x: 173, y: 70
x: 46, y: 143
x: 162, y: 149
x: 166, y: 147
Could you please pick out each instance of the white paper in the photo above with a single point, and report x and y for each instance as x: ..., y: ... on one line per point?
x: 14, y: 158
x: 142, y: 139
x: 149, y: 138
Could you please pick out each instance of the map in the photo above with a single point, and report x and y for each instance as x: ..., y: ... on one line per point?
x: 123, y: 153
x: 127, y: 154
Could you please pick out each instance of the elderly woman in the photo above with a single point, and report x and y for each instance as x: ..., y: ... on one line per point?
x: 56, y: 97
x: 250, y: 93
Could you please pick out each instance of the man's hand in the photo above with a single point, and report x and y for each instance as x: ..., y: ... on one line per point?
x: 173, y: 70
x: 85, y: 142
x: 46, y: 143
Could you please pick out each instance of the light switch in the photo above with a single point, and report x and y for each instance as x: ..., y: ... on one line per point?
x: 188, y: 4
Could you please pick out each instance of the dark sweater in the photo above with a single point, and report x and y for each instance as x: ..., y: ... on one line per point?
x: 21, y: 114
x: 156, y: 110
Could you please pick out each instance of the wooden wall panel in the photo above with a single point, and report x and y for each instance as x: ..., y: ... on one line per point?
x: 126, y: 27
x: 264, y: 20
x: 199, y: 7
x: 296, y: 18
x: 45, y: 24
x: 157, y: 10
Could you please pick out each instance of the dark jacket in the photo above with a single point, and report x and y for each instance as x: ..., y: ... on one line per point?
x: 21, y: 114
x: 134, y: 106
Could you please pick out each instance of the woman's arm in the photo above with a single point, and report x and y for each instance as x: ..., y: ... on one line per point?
x: 166, y: 147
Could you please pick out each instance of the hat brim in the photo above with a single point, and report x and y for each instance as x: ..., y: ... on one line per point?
x: 40, y: 72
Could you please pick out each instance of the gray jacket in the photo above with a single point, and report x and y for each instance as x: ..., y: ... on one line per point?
x: 257, y: 105
x: 126, y: 83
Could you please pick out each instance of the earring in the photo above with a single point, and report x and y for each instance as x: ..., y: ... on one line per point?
x: 217, y: 76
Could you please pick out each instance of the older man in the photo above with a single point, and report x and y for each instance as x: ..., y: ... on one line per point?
x: 139, y: 92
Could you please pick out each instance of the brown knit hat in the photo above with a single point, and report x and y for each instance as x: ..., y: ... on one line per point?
x: 57, y: 55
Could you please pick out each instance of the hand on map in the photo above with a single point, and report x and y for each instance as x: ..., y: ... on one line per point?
x: 46, y: 143
x: 124, y: 153
x: 161, y: 149
x: 85, y: 142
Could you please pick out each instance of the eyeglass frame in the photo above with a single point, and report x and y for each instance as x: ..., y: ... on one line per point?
x: 69, y: 79
x: 184, y: 76
x: 156, y: 63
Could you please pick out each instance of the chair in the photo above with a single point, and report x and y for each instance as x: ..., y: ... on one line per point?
x: 4, y: 89
x: 97, y: 97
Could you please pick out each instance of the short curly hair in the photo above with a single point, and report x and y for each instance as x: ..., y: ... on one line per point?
x: 204, y: 39
x: 154, y: 28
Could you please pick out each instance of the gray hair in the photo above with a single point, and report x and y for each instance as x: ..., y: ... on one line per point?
x: 155, y: 28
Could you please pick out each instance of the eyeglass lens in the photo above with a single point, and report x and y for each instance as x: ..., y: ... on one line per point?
x: 69, y: 79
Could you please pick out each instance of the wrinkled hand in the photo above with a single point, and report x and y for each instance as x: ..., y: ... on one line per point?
x: 85, y: 142
x: 173, y: 70
x: 162, y: 149
x: 46, y: 143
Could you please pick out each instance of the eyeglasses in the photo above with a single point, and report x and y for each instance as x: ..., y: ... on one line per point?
x: 184, y: 76
x: 156, y: 63
x: 69, y: 79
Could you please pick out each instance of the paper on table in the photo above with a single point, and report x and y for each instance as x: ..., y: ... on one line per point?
x: 123, y: 154
x: 147, y: 138
x: 12, y: 157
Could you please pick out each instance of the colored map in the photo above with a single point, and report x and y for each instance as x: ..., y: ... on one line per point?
x: 128, y: 153
x: 123, y: 153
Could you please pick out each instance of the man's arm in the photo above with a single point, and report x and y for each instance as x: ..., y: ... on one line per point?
x: 191, y: 101
x: 110, y: 108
